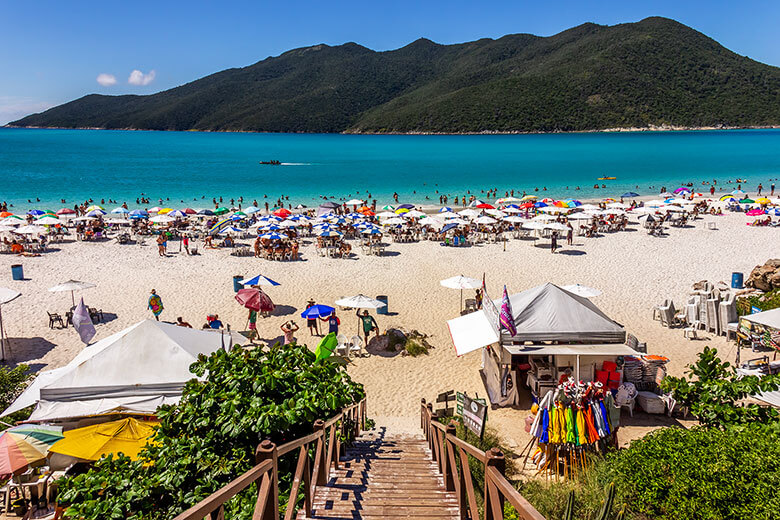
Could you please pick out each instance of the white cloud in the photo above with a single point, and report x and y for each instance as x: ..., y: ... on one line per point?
x: 106, y: 79
x: 139, y: 78
x: 14, y: 107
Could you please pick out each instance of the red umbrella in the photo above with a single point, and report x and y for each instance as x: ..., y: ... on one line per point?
x: 485, y: 205
x: 255, y: 299
x: 189, y: 211
x: 281, y: 212
x: 66, y: 211
x: 527, y: 205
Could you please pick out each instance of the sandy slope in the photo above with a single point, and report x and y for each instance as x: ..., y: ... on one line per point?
x: 634, y: 270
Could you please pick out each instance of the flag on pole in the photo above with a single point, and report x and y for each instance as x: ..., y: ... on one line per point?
x: 506, y: 318
x: 82, y: 322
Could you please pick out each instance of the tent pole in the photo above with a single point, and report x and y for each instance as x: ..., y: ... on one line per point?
x: 578, y: 367
x: 2, y: 336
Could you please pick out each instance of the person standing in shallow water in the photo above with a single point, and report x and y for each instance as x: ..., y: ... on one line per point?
x: 155, y: 304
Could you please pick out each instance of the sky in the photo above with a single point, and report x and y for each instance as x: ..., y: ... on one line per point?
x: 55, y: 51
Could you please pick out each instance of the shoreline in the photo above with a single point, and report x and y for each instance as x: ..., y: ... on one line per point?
x: 616, y: 130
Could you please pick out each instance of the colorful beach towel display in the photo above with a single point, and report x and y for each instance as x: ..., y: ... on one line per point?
x: 571, y: 421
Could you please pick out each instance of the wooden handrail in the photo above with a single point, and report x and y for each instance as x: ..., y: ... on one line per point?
x: 452, y: 457
x: 308, y: 474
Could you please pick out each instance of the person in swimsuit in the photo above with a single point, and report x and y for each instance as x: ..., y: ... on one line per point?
x: 369, y: 324
x: 155, y: 304
x: 314, y: 328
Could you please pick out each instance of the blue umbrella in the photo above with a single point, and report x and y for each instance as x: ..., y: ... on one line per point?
x: 629, y: 194
x: 120, y: 211
x: 35, y: 212
x: 317, y: 311
x: 372, y: 231
x: 330, y: 233
x: 272, y: 227
x: 540, y: 205
x: 96, y: 213
x: 445, y: 209
x: 273, y: 236
x: 405, y: 206
x: 139, y: 213
x: 259, y: 280
x: 448, y: 227
x: 206, y: 212
x: 177, y: 213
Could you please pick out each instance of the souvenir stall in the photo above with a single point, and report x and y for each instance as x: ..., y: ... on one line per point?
x: 557, y: 335
x: 759, y: 331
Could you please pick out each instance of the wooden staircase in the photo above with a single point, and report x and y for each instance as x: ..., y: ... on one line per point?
x: 385, y: 476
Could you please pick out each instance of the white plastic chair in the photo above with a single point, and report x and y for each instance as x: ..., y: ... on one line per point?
x: 356, y: 348
x: 342, y: 348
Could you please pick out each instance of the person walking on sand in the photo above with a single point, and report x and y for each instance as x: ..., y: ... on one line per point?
x: 185, y: 241
x: 760, y: 187
x: 252, y: 324
x: 161, y: 245
x: 569, y: 234
x: 553, y: 241
x: 289, y: 328
x: 369, y: 324
x: 155, y: 304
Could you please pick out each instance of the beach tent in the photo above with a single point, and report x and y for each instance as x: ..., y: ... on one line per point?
x: 133, y: 371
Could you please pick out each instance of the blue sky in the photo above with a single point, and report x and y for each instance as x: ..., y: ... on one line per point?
x: 54, y: 51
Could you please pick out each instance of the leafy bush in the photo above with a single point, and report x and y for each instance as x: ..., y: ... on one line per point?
x: 13, y: 381
x: 712, y: 391
x: 209, y: 438
x: 765, y: 302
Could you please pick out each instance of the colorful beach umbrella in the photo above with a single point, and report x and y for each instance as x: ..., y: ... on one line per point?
x: 189, y: 211
x: 746, y: 201
x: 629, y: 194
x: 220, y: 225
x: 282, y: 212
x: 763, y: 201
x: 727, y: 198
x: 36, y: 212
x: 24, y: 445
x: 126, y: 436
x: 63, y: 211
x: 755, y: 212
x: 317, y: 311
x: 273, y: 236
x: 221, y: 211
x: 164, y: 211
x: 255, y: 300
x: 485, y: 205
x: 258, y: 280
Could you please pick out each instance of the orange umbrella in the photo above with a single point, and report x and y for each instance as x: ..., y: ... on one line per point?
x: 5, y: 214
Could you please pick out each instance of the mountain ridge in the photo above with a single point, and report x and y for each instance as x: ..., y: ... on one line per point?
x: 652, y: 73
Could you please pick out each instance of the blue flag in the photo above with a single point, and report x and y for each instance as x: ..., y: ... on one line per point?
x: 82, y: 322
x: 506, y: 318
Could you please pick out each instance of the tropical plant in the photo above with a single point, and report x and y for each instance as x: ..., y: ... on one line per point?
x: 714, y: 393
x: 13, y: 381
x: 209, y: 438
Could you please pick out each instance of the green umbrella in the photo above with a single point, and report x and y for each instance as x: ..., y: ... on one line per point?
x: 746, y: 201
x: 326, y: 346
x: 221, y: 211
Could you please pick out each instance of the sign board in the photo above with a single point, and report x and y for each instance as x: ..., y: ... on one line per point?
x: 473, y: 412
x: 446, y: 398
x: 754, y: 309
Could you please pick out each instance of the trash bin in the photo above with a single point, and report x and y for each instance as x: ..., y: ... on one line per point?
x: 237, y: 283
x: 382, y: 310
x: 17, y: 272
x: 737, y: 280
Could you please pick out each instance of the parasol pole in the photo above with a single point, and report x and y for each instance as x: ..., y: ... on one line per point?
x: 2, y: 336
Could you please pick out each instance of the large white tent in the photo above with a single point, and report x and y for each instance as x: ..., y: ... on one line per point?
x: 133, y: 371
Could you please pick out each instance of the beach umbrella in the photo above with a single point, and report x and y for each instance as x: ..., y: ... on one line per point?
x: 96, y: 213
x: 221, y: 211
x: 155, y: 209
x: 514, y: 219
x: 47, y: 220
x: 288, y: 224
x: 461, y: 282
x: 206, y: 212
x: 255, y: 300
x: 755, y: 212
x: 682, y: 189
x: 273, y: 236
x: 450, y: 226
x: 469, y: 213
x: 360, y: 301
x: 127, y: 436
x: 393, y: 222
x: 231, y: 230
x: 220, y: 225
x: 415, y: 214
x: 371, y: 231
x: 317, y: 311
x: 540, y: 204
x: 485, y: 220
x: 139, y: 213
x: 528, y: 197
x: 24, y: 445
x: 746, y: 201
x: 485, y: 205
x: 189, y: 211
x: 259, y: 280
x: 120, y: 211
x: 330, y: 233
x: 72, y: 286
x: 282, y: 212
x: 505, y: 200
x: 63, y: 211
x: 251, y: 210
x: 401, y: 211
x: 445, y: 209
x: 6, y: 214
x: 617, y: 205
x: 629, y: 194
x: 355, y: 202
x: 162, y: 219
x: 164, y: 211
x: 6, y: 296
x: 556, y: 226
x: 272, y: 227
x: 235, y: 217
x: 36, y: 212
x: 496, y: 213
x: 94, y: 207
x: 534, y: 225
x: 388, y: 208
x: 738, y: 193
x: 581, y: 290
x: 177, y: 213
x: 405, y: 206
x: 386, y: 214
x: 763, y: 201
x: 30, y: 230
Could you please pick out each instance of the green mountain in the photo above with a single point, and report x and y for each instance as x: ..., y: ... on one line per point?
x: 653, y: 72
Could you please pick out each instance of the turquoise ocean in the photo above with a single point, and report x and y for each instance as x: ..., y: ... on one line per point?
x: 189, y: 168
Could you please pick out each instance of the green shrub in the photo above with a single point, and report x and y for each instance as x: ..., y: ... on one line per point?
x: 209, y: 438
x: 13, y: 381
x: 417, y: 344
x: 765, y: 302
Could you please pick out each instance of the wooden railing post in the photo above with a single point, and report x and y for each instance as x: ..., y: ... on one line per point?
x: 320, y: 467
x: 267, y: 451
x: 448, y: 459
x: 431, y: 433
x: 494, y: 500
x: 422, y: 418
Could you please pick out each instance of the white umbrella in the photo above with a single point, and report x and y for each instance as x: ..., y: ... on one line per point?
x: 30, y: 230
x: 414, y: 213
x: 514, y: 219
x: 588, y: 207
x: 617, y: 205
x: 579, y: 216
x: 72, y: 286
x: 360, y: 302
x: 6, y: 295
x: 47, y: 221
x: 581, y: 290
x: 654, y: 203
x: 355, y: 202
x: 393, y: 221
x: 512, y: 210
x: 461, y: 282
x: 251, y: 209
x: 485, y: 220
x: 543, y: 218
x: 534, y: 225
x: 556, y: 226
x: 495, y: 212
x: 386, y: 214
x: 469, y: 213
x: 457, y: 221
x: 230, y: 230
x: 162, y: 219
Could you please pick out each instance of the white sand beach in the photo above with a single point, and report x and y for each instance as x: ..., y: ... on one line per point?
x: 634, y: 270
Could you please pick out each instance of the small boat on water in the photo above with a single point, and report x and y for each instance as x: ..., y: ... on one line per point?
x: 607, y: 178
x: 274, y: 163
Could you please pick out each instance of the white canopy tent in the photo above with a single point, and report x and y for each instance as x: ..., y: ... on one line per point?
x: 132, y: 371
x: 769, y: 319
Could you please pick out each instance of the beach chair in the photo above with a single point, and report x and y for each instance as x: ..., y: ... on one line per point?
x: 55, y: 319
x: 356, y: 348
x: 95, y: 314
x: 342, y: 349
x: 657, y: 309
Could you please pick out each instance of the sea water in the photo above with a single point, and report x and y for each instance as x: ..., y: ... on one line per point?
x: 190, y: 168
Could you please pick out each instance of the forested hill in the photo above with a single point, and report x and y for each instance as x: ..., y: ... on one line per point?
x: 653, y: 72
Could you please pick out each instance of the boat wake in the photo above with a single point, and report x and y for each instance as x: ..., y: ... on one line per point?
x: 295, y: 164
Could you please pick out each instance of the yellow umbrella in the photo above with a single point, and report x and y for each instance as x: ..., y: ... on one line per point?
x: 763, y: 201
x: 164, y: 211
x: 529, y: 197
x: 92, y: 442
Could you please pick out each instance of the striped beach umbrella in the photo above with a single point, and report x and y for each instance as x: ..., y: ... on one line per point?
x: 24, y: 445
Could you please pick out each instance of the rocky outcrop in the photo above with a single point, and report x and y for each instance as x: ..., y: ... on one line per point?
x: 765, y: 277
